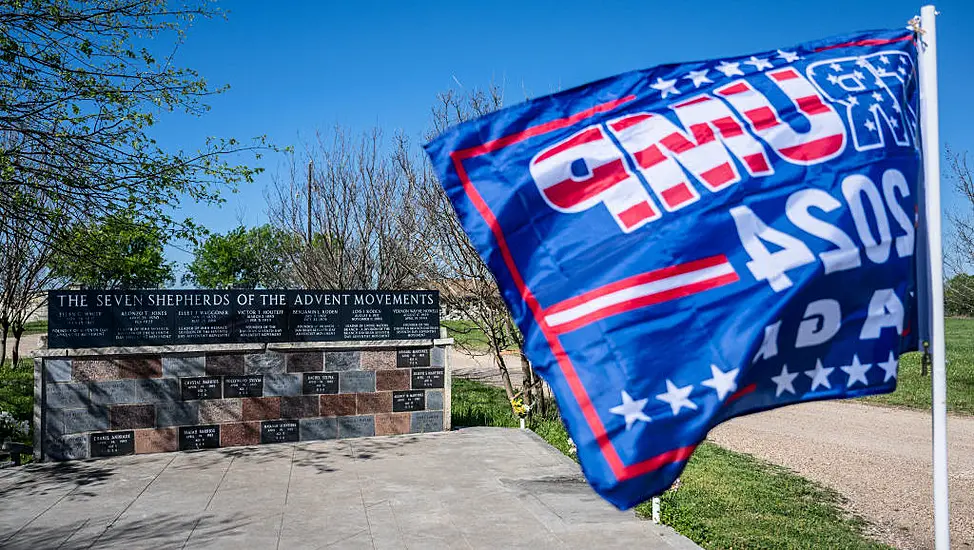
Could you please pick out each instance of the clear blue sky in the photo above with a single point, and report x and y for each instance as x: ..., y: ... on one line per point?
x: 297, y: 67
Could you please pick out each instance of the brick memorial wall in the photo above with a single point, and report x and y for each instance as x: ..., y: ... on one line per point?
x: 110, y: 401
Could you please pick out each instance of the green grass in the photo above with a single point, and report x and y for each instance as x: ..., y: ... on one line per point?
x: 36, y: 327
x: 466, y: 334
x: 732, y: 500
x: 913, y: 390
x: 726, y: 499
x: 17, y: 391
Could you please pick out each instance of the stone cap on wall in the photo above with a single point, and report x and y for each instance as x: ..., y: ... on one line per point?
x: 251, y: 348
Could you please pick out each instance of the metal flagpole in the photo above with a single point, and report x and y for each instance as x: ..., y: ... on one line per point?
x: 930, y: 133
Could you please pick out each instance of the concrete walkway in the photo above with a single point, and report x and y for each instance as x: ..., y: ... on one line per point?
x: 473, y: 488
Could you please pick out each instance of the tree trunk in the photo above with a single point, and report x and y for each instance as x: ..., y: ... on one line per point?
x: 16, y: 352
x: 528, y: 384
x: 3, y: 343
x: 505, y: 377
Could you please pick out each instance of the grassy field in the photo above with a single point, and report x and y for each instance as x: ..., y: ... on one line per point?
x: 466, y: 335
x: 726, y: 499
x: 913, y: 390
x: 36, y: 327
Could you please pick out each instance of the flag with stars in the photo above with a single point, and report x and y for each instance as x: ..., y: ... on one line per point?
x: 689, y: 243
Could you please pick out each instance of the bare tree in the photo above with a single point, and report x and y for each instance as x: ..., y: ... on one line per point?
x: 352, y: 222
x: 25, y: 254
x: 468, y: 290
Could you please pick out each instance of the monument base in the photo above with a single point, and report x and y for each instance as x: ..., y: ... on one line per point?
x: 101, y: 402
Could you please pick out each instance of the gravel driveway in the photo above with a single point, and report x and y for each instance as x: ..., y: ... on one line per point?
x: 877, y: 457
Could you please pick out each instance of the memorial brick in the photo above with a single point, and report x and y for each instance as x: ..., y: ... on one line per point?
x: 199, y: 437
x: 248, y: 385
x: 279, y: 431
x: 203, y: 387
x: 411, y: 400
x: 320, y: 382
x: 413, y: 357
x: 112, y: 444
x: 425, y: 379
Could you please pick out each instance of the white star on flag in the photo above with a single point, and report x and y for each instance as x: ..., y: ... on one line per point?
x: 836, y: 67
x: 820, y: 375
x: 759, y: 63
x: 884, y: 59
x: 889, y: 366
x: 856, y: 372
x: 666, y: 87
x: 870, y: 125
x: 723, y: 382
x: 631, y: 409
x: 789, y: 57
x: 877, y: 97
x: 698, y: 77
x: 784, y: 381
x: 853, y: 100
x: 730, y: 69
x: 677, y: 397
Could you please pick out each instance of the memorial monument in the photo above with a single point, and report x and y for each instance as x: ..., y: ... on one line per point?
x: 131, y: 372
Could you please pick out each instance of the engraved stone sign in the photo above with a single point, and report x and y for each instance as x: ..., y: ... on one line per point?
x: 320, y: 382
x: 100, y: 318
x: 279, y: 431
x: 413, y: 357
x: 410, y: 400
x: 112, y: 443
x: 251, y: 385
x: 199, y: 437
x: 202, y: 387
x: 428, y: 378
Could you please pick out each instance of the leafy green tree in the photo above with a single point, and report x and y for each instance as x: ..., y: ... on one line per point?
x: 80, y: 89
x: 123, y: 252
x: 959, y: 295
x: 242, y: 258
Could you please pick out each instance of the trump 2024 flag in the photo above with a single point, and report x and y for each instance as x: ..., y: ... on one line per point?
x: 689, y: 243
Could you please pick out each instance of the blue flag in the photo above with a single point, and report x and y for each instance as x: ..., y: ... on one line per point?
x: 689, y: 243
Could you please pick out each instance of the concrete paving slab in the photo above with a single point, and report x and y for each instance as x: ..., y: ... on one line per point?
x: 473, y: 488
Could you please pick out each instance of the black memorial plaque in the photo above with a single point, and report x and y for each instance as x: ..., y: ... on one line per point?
x: 199, y: 437
x: 410, y: 400
x: 424, y: 379
x: 100, y: 318
x: 279, y: 431
x: 112, y: 443
x: 251, y: 385
x: 413, y: 357
x: 320, y: 382
x: 202, y: 387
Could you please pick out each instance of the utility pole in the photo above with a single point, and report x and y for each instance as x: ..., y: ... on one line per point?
x: 311, y: 164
